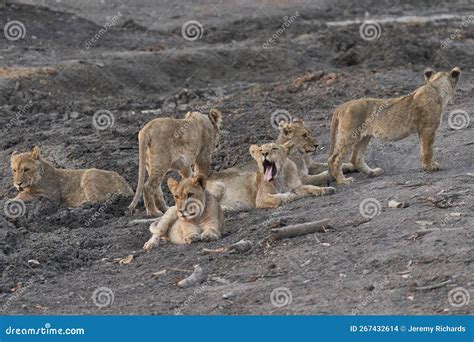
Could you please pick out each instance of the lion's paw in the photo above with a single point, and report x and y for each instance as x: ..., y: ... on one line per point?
x: 376, y: 172
x: 345, y: 180
x: 209, y: 236
x: 195, y: 237
x: 150, y: 244
x: 328, y: 190
x: 434, y: 166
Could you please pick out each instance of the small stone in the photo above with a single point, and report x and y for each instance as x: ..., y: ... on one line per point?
x: 228, y: 295
x: 33, y: 262
x: 396, y: 204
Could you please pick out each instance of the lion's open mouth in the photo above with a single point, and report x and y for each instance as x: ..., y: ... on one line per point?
x: 269, y: 170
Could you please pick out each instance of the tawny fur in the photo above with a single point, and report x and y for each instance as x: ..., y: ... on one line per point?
x: 35, y: 177
x: 247, y: 189
x: 196, y: 215
x: 356, y: 122
x: 174, y: 144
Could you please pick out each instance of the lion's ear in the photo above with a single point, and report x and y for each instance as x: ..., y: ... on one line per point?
x: 297, y: 121
x: 288, y: 146
x: 428, y: 73
x: 283, y: 127
x: 172, y: 185
x: 455, y: 72
x: 215, y: 116
x: 35, y: 152
x: 254, y: 151
x: 200, y: 180
x: 13, y: 154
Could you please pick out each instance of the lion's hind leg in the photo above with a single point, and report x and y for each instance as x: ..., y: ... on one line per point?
x: 358, y: 158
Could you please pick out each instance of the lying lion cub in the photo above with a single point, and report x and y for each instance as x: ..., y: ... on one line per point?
x: 275, y: 183
x: 356, y: 122
x: 174, y: 144
x: 35, y: 177
x: 197, y: 214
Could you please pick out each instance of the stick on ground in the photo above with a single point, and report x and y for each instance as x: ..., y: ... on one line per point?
x: 299, y: 229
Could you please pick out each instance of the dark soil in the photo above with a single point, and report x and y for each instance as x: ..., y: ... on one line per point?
x: 142, y: 68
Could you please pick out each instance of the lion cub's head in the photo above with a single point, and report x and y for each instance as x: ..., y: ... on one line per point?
x: 444, y: 81
x: 26, y: 168
x: 270, y: 158
x: 215, y: 117
x: 189, y: 196
x: 300, y: 135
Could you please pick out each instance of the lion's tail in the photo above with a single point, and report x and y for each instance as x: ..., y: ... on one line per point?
x: 334, y: 124
x: 142, y: 145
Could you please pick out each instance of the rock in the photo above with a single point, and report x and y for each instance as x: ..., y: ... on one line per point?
x: 33, y: 262
x: 395, y: 204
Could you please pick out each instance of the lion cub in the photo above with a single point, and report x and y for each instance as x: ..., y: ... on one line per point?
x: 197, y: 214
x: 35, y: 177
x: 174, y: 144
x: 355, y: 122
x: 276, y: 182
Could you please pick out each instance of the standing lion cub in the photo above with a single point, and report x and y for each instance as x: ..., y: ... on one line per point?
x: 174, y: 144
x: 35, y: 177
x: 356, y: 122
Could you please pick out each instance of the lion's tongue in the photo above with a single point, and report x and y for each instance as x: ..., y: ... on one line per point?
x: 268, y: 173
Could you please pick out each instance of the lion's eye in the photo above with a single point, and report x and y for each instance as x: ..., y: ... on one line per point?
x: 190, y: 194
x: 14, y: 170
x: 26, y: 170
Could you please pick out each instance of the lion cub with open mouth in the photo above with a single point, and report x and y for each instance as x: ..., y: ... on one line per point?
x: 274, y: 184
x: 196, y: 216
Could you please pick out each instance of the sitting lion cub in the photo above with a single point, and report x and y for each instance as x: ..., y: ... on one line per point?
x: 174, y: 144
x: 275, y: 183
x: 355, y: 122
x: 35, y: 177
x: 197, y: 214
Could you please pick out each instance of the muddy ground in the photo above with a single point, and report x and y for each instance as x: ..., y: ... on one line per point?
x: 55, y: 78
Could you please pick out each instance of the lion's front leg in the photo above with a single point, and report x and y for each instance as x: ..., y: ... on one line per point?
x: 24, y: 196
x: 322, y: 178
x: 427, y: 139
x: 210, y: 231
x: 311, y: 190
x: 274, y: 200
x: 160, y: 228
